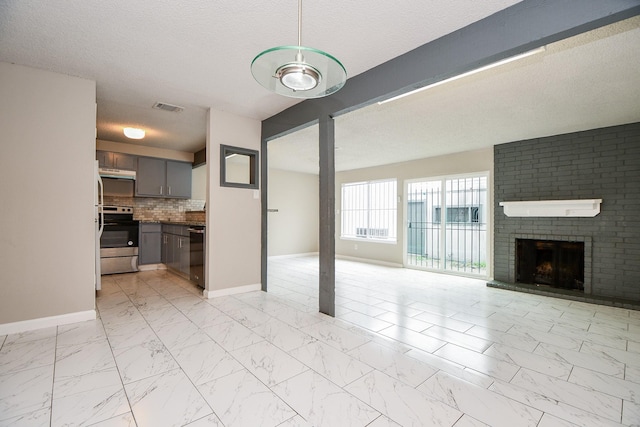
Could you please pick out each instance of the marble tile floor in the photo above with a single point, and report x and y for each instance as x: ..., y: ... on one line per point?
x: 407, y: 348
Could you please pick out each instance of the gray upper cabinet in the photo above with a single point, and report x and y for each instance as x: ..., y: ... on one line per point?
x: 107, y: 159
x: 163, y: 178
x: 151, y: 177
x: 179, y: 179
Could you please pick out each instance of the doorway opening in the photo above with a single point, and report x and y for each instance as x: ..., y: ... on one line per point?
x: 447, y: 224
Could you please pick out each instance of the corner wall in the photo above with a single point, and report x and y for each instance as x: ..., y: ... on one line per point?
x: 595, y: 164
x: 233, y: 239
x: 293, y: 228
x: 47, y: 234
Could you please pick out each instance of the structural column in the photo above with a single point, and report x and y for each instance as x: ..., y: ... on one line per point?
x: 327, y: 291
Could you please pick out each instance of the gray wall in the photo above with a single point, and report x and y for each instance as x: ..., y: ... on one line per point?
x: 595, y: 164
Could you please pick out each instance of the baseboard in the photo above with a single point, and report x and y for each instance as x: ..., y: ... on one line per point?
x: 152, y: 267
x: 46, y: 322
x: 231, y: 291
x: 369, y: 261
x: 293, y: 255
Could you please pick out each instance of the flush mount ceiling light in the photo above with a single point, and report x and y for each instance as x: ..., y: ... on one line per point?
x: 134, y: 133
x: 297, y: 71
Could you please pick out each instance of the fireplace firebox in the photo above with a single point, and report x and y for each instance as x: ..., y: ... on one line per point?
x: 559, y: 264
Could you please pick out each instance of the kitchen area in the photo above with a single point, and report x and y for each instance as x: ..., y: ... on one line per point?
x: 151, y: 215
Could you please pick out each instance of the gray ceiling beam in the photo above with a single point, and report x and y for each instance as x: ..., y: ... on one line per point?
x: 517, y: 29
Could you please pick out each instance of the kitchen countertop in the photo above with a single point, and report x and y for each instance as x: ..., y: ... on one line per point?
x: 198, y: 223
x: 184, y: 223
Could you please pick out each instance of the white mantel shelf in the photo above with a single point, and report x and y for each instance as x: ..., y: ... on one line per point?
x: 553, y: 208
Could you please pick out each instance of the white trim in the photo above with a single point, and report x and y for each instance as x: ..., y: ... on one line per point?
x: 369, y: 261
x: 46, y: 322
x: 152, y: 267
x: 305, y: 254
x: 231, y: 291
x: 371, y: 240
x: 553, y: 208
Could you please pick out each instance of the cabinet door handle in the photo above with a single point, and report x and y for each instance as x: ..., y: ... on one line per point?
x: 169, y: 189
x: 161, y: 189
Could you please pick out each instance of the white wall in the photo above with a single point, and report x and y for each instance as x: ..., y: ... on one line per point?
x: 47, y: 152
x: 199, y: 183
x: 233, y: 214
x: 294, y: 228
x: 459, y: 163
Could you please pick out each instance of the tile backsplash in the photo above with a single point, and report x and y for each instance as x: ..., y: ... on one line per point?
x: 153, y: 209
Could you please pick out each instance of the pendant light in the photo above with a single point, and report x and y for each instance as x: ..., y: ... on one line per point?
x: 297, y: 71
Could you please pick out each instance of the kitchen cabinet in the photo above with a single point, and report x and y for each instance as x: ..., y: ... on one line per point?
x: 163, y: 178
x: 107, y: 159
x: 150, y: 243
x: 175, y: 248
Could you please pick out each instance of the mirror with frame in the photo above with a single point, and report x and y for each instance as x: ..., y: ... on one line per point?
x: 238, y: 167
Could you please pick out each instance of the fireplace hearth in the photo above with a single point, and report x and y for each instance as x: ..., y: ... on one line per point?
x: 558, y: 264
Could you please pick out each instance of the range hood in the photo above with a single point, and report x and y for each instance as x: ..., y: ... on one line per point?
x: 117, y: 173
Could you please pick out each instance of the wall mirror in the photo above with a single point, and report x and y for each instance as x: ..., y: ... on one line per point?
x: 238, y: 167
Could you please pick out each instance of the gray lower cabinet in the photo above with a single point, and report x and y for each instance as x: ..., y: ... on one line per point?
x: 150, y: 243
x: 163, y: 178
x: 175, y: 248
x: 169, y: 250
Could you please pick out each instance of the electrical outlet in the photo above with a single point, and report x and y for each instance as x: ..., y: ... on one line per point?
x: 355, y: 246
x: 180, y: 208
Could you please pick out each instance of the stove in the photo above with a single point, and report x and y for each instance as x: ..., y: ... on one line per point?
x: 119, y: 241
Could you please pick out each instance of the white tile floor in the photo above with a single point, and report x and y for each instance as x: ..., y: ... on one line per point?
x: 407, y: 348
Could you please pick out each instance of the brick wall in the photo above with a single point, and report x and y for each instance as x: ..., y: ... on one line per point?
x: 595, y: 164
x: 156, y: 209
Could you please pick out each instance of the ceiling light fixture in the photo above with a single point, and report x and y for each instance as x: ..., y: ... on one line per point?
x: 134, y: 133
x: 297, y: 71
x: 468, y: 73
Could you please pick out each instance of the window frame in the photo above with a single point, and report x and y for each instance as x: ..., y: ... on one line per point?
x: 392, y: 224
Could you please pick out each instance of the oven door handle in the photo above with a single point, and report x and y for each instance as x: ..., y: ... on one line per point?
x: 101, y: 207
x: 193, y: 230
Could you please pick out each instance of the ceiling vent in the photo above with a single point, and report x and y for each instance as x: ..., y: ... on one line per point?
x: 168, y: 107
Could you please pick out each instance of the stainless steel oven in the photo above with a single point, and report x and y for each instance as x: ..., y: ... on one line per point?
x: 119, y: 241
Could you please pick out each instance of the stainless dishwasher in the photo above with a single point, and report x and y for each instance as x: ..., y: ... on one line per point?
x: 196, y: 254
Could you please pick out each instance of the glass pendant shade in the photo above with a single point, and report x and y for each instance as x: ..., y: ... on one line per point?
x: 298, y: 72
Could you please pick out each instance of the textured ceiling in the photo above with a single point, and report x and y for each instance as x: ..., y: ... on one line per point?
x: 589, y: 81
x: 196, y: 53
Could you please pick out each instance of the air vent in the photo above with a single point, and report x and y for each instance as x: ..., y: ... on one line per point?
x: 168, y: 107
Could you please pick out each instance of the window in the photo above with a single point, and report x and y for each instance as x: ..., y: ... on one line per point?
x: 458, y: 214
x: 369, y: 210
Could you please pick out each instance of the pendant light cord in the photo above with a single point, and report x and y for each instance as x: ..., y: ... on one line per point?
x: 299, y: 23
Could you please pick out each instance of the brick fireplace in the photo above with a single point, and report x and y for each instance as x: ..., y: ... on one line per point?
x: 554, y: 263
x: 600, y: 163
